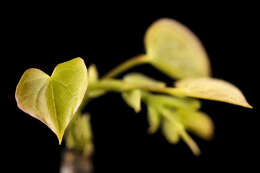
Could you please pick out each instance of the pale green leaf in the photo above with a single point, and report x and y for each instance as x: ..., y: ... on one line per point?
x: 153, y: 119
x: 212, y: 89
x: 174, y: 130
x: 92, y: 74
x: 175, y: 50
x: 171, y: 131
x: 175, y: 102
x: 133, y: 99
x: 197, y: 122
x: 53, y: 99
x: 93, y: 77
x: 140, y: 79
x: 79, y: 135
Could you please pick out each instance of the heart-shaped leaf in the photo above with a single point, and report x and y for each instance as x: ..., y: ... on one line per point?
x: 212, y: 89
x: 175, y: 50
x: 53, y: 99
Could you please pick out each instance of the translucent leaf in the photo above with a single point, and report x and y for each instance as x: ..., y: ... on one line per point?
x: 53, y: 99
x: 153, y: 119
x: 175, y: 50
x: 140, y: 79
x: 133, y: 99
x: 212, y: 89
x: 197, y: 122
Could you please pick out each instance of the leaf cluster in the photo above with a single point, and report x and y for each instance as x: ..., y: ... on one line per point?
x: 58, y: 100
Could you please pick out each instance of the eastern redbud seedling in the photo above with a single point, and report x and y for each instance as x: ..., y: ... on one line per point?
x: 58, y: 100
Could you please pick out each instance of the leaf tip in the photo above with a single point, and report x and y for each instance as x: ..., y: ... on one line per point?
x: 151, y: 130
x: 59, y: 134
x: 60, y: 137
x: 137, y: 108
x: 247, y: 105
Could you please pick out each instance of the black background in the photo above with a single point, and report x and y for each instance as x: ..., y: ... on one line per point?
x: 40, y: 39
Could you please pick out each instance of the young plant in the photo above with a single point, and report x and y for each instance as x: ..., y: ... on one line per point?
x: 58, y: 100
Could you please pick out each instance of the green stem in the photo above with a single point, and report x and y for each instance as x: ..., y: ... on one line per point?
x: 137, y: 60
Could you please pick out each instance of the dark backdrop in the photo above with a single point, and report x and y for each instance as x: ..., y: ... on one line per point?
x: 42, y: 40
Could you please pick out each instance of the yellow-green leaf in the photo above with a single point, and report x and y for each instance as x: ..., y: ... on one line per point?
x: 153, y: 119
x: 212, y: 89
x: 79, y: 135
x: 176, y: 102
x: 133, y: 99
x: 175, y: 50
x: 173, y: 130
x: 53, y: 99
x: 170, y: 130
x: 140, y: 79
x: 92, y: 74
x: 93, y: 77
x: 197, y: 122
